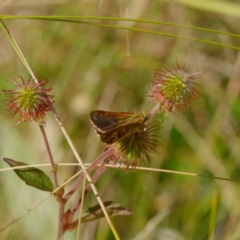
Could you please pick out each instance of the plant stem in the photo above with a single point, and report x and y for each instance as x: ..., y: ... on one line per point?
x: 60, y: 220
x: 155, y: 109
x: 59, y: 194
x: 99, y: 160
x: 50, y: 155
x: 97, y: 174
x: 81, y: 208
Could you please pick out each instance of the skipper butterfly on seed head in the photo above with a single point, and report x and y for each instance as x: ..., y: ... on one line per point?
x: 117, y: 126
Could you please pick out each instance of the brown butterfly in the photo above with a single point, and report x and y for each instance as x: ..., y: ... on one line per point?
x: 116, y: 126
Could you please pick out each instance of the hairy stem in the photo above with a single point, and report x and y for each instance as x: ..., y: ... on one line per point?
x: 60, y: 222
x: 59, y: 194
x: 49, y: 155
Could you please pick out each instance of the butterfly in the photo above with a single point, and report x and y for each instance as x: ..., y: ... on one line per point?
x: 117, y: 126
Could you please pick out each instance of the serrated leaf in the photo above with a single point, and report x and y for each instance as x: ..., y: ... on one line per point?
x: 96, y: 212
x: 31, y: 176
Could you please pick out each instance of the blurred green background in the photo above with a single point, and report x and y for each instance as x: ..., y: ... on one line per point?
x: 111, y: 69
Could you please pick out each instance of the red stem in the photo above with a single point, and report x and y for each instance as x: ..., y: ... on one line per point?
x: 50, y: 156
x: 99, y: 160
x: 97, y: 174
x: 155, y: 109
x: 61, y: 204
x: 60, y: 222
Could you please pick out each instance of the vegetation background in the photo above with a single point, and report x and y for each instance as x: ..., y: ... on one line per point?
x: 94, y: 67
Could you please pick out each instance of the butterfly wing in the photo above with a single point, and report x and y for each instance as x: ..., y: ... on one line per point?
x: 120, y: 133
x: 104, y: 121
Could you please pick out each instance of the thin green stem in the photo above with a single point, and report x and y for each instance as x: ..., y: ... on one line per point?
x: 81, y: 207
x: 134, y: 168
x: 66, y: 19
x: 163, y: 34
x: 172, y: 172
x: 121, y: 19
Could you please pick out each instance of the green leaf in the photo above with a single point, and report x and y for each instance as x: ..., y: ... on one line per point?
x: 31, y: 176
